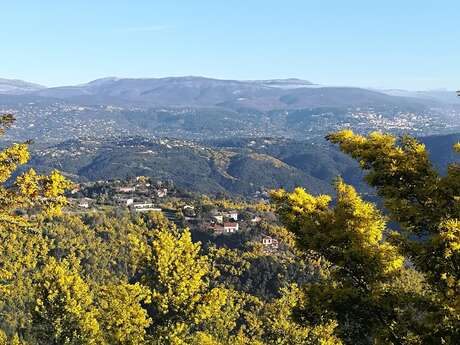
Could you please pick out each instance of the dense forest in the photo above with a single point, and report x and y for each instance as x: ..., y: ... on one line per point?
x: 237, y: 168
x: 349, y: 273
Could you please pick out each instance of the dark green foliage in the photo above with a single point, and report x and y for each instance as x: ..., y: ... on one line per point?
x: 236, y: 168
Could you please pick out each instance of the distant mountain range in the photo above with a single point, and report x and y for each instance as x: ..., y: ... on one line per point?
x: 192, y: 91
x: 445, y: 96
x: 18, y: 87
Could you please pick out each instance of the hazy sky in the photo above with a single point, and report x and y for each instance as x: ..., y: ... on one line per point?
x: 391, y: 44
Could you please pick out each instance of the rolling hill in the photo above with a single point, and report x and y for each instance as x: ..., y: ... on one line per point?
x: 234, y: 167
x: 241, y: 169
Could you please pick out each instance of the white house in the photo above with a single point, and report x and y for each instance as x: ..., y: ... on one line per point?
x: 85, y: 202
x: 231, y: 226
x: 219, y: 218
x: 125, y: 201
x: 126, y: 189
x: 270, y: 242
x: 231, y: 215
x: 145, y: 207
x: 161, y: 193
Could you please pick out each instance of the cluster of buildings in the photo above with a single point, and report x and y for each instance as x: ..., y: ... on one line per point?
x: 137, y: 194
x: 224, y: 222
x: 227, y: 222
x: 141, y: 195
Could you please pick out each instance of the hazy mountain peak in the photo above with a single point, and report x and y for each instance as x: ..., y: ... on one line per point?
x: 441, y: 95
x: 104, y: 80
x: 16, y: 86
x: 289, y: 83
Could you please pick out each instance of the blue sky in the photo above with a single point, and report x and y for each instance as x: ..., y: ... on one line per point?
x: 385, y: 44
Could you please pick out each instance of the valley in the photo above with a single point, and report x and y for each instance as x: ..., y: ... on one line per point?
x: 216, y: 137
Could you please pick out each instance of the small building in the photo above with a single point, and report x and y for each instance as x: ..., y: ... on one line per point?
x: 231, y: 215
x: 225, y: 228
x: 218, y: 218
x: 125, y: 201
x: 270, y: 243
x: 126, y: 189
x: 83, y: 204
x: 145, y: 207
x: 231, y: 227
x: 162, y: 192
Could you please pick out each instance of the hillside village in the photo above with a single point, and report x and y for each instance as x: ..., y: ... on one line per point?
x: 201, y: 215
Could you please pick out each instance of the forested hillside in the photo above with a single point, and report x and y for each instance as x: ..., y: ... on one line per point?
x: 231, y: 167
x: 306, y: 269
x: 240, y: 169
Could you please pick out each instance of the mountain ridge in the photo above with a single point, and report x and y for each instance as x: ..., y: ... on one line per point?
x: 103, y: 85
x: 193, y: 91
x: 17, y: 86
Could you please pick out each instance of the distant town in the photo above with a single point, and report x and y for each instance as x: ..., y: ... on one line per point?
x: 52, y: 122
